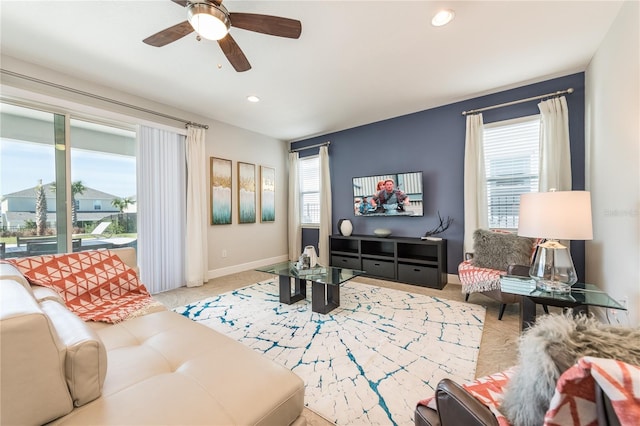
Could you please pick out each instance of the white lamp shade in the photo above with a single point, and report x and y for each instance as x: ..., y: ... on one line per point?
x: 561, y: 215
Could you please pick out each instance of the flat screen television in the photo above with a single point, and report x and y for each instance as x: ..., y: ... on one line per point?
x: 398, y: 194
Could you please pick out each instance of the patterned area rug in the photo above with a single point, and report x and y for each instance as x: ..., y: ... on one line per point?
x: 370, y: 360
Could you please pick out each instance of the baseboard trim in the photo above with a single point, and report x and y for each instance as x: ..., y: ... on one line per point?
x: 216, y: 273
x: 453, y: 279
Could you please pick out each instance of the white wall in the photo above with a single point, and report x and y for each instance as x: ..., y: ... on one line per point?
x: 613, y: 160
x: 251, y: 244
x: 247, y: 245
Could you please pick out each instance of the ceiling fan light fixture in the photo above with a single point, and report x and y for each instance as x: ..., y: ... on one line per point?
x: 208, y: 20
x: 443, y: 17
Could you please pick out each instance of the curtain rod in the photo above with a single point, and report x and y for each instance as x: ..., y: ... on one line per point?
x: 548, y: 95
x: 327, y: 143
x: 102, y: 98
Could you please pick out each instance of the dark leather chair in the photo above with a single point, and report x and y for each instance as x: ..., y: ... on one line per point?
x: 457, y: 407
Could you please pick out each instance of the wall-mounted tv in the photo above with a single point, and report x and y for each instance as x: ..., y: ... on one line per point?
x: 398, y: 194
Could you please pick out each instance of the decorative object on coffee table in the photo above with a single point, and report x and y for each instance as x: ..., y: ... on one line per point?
x: 345, y: 227
x: 313, y: 256
x: 382, y: 232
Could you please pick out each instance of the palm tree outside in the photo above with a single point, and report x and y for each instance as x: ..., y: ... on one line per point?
x: 122, y: 204
x: 77, y: 188
x: 41, y: 209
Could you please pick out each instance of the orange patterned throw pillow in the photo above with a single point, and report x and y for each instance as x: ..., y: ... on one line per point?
x: 95, y: 285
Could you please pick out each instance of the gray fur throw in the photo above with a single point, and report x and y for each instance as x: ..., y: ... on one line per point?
x: 550, y: 347
x: 497, y: 250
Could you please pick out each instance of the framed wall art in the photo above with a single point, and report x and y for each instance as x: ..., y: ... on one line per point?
x: 221, y: 178
x: 246, y: 193
x: 267, y: 194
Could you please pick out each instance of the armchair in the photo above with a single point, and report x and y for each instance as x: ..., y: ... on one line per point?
x: 564, y: 361
x: 496, y: 253
x: 456, y: 406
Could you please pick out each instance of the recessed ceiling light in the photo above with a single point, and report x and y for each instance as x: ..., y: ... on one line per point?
x: 443, y: 17
x: 253, y: 98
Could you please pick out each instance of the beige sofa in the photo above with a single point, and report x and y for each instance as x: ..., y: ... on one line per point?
x: 160, y: 368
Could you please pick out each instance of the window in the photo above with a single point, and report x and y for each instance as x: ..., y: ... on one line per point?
x: 511, y: 154
x: 34, y: 214
x: 309, y: 170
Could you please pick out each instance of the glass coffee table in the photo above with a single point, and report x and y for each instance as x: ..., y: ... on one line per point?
x: 325, y: 284
x: 579, y: 299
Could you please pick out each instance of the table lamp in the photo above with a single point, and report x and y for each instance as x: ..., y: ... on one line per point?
x: 553, y: 216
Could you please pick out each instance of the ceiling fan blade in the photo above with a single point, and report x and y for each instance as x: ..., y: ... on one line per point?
x: 234, y: 54
x: 266, y: 24
x: 169, y: 35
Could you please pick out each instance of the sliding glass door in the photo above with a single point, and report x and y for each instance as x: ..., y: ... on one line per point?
x: 66, y: 184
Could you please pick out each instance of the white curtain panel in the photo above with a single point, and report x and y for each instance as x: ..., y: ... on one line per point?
x: 161, y: 183
x: 325, y: 207
x: 555, y: 152
x: 196, y: 242
x: 295, y: 231
x: 475, y: 186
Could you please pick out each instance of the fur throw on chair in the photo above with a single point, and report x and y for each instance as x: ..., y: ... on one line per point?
x: 550, y: 347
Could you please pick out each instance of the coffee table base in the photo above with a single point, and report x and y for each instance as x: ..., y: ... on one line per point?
x: 285, y: 290
x: 324, y: 298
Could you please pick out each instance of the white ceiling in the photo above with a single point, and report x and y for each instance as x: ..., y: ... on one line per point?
x: 357, y: 62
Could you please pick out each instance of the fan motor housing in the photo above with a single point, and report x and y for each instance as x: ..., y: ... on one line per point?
x: 209, y: 20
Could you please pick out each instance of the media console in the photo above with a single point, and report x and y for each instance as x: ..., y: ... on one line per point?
x: 407, y: 260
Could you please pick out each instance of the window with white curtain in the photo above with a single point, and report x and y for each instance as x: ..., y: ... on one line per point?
x: 309, y: 174
x: 511, y: 154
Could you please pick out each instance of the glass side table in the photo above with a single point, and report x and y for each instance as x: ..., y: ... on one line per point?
x: 579, y: 299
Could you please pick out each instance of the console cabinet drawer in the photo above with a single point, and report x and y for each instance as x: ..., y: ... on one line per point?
x: 379, y: 268
x: 346, y: 262
x: 418, y: 274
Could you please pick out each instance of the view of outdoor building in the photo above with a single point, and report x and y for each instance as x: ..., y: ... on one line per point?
x: 64, y: 192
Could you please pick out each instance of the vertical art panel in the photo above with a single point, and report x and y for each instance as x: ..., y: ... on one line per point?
x: 220, y: 191
x: 246, y: 193
x: 267, y: 194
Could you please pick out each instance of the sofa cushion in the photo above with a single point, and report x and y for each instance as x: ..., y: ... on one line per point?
x: 45, y: 293
x: 86, y: 356
x: 10, y: 272
x: 165, y: 368
x: 33, y: 387
x: 498, y: 250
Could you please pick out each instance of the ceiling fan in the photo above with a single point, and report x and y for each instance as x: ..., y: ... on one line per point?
x: 211, y: 20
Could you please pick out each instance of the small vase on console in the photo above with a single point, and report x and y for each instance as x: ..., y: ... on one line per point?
x: 345, y: 227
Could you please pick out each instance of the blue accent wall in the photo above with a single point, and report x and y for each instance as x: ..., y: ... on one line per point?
x: 432, y: 141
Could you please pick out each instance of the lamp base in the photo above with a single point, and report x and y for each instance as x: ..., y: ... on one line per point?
x: 553, y: 286
x: 552, y: 268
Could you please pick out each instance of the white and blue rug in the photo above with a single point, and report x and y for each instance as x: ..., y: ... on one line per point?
x: 370, y: 360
